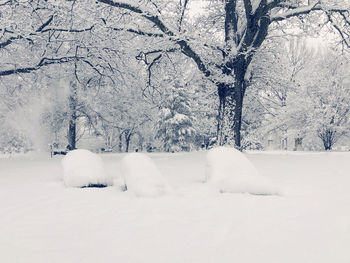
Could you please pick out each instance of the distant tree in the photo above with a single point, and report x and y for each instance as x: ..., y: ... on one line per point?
x: 120, y: 114
x: 316, y: 105
x: 275, y: 75
x: 325, y: 98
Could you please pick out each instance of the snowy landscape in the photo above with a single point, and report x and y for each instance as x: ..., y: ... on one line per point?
x: 174, y: 131
x: 41, y: 220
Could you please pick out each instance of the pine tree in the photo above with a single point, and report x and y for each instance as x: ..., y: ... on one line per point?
x: 175, y: 121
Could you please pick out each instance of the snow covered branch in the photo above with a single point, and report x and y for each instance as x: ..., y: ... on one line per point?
x: 10, y: 40
x: 43, y: 62
x: 344, y: 36
x: 138, y: 32
x: 302, y: 10
x: 156, y: 21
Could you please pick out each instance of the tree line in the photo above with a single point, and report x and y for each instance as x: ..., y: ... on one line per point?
x: 110, y: 49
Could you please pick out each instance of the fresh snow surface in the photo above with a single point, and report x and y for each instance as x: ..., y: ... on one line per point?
x: 82, y: 168
x: 142, y: 176
x: 229, y: 171
x: 42, y: 221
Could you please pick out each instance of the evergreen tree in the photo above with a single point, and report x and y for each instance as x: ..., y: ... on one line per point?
x: 175, y: 121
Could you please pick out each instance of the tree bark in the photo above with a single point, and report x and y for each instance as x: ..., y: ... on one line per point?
x: 231, y: 103
x: 222, y: 94
x: 140, y: 141
x: 240, y: 68
x: 72, y: 133
x: 127, y: 140
x: 328, y: 138
x: 120, y: 146
x: 73, y: 101
x: 237, y: 120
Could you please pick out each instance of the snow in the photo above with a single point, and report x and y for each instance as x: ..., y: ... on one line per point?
x: 82, y: 168
x: 178, y: 118
x: 43, y: 221
x: 142, y: 176
x: 228, y: 170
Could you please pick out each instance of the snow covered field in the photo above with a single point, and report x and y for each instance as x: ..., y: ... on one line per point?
x: 309, y: 222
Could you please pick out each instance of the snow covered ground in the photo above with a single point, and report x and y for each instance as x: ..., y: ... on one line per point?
x: 41, y: 220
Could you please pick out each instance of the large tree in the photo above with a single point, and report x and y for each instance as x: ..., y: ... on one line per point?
x: 224, y: 52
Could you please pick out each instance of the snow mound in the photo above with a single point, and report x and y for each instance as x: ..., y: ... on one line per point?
x: 229, y: 170
x: 142, y: 176
x: 82, y: 168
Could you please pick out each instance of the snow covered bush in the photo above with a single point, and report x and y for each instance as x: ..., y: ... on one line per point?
x: 82, y: 168
x: 142, y: 176
x: 228, y: 170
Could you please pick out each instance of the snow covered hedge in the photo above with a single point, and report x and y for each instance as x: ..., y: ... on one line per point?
x: 82, y: 168
x: 142, y: 176
x: 229, y: 170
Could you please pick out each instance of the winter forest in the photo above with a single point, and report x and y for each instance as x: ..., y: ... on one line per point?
x: 174, y: 131
x: 174, y: 75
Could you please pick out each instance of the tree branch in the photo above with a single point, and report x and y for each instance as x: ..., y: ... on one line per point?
x: 138, y: 32
x: 152, y: 18
x: 45, y: 24
x: 5, y: 3
x: 155, y: 20
x: 303, y: 10
x: 184, y: 7
x: 43, y: 62
x: 338, y: 29
x: 248, y: 9
x: 68, y: 30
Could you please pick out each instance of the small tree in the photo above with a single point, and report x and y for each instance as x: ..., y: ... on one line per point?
x: 328, y: 136
x: 174, y: 126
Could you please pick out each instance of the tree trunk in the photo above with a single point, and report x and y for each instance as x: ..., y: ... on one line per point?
x: 231, y: 105
x: 230, y: 114
x: 237, y: 98
x: 127, y: 140
x: 140, y: 141
x: 72, y: 133
x: 120, y: 142
x: 328, y: 138
x: 222, y: 93
x: 237, y: 121
x: 73, y: 101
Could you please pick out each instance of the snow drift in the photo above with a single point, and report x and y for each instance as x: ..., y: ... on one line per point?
x: 228, y: 170
x: 82, y: 168
x: 142, y: 176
